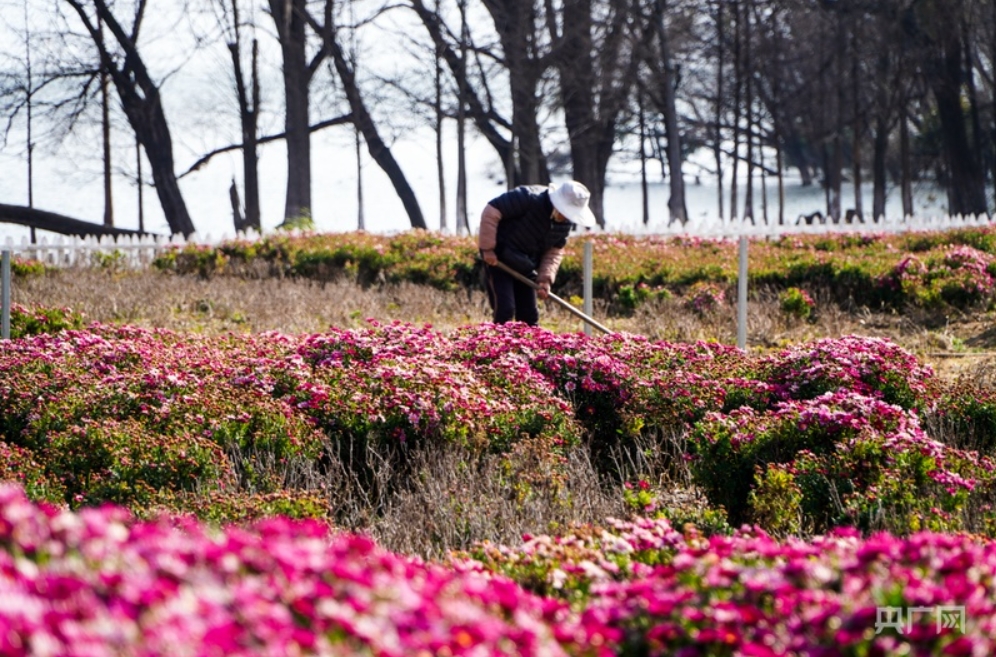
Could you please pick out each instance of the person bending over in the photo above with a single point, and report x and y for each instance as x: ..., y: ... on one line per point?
x: 526, y: 228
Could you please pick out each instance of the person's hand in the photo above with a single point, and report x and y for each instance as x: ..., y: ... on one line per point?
x: 490, y: 257
x: 543, y: 289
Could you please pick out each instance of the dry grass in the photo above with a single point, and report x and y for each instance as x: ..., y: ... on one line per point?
x: 187, y: 303
x: 449, y: 498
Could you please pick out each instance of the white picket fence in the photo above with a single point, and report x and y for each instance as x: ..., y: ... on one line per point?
x: 735, y: 229
x: 130, y: 251
x: 126, y: 251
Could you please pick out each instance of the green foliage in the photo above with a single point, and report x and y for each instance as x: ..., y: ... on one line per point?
x: 123, y: 462
x: 35, y: 321
x: 776, y: 500
x: 705, y: 297
x: 110, y: 261
x: 966, y: 414
x: 837, y: 460
x: 19, y: 465
x: 303, y: 221
x: 632, y: 296
x: 959, y: 277
x: 630, y: 270
x: 797, y: 303
x: 205, y: 261
x: 24, y: 267
x: 131, y: 416
x: 229, y: 506
x: 706, y: 520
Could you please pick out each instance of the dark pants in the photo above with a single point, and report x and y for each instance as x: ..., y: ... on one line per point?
x: 511, y: 299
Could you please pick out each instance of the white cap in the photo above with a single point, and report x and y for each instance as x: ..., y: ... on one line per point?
x: 571, y: 200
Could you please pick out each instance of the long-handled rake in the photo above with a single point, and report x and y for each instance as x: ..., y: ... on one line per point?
x: 567, y: 306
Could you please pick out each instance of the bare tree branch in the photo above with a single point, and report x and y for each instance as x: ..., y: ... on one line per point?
x: 339, y: 120
x: 58, y: 223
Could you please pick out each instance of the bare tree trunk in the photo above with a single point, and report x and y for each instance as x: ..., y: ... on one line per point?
x: 832, y: 205
x: 859, y: 210
x: 595, y: 83
x: 532, y: 163
x: 781, y: 182
x: 516, y: 25
x: 511, y: 168
x: 827, y: 200
x: 936, y: 25
x: 236, y: 204
x: 879, y: 169
x: 29, y: 109
x: 462, y: 220
x: 907, y: 170
x: 764, y: 188
x: 364, y: 122
x: 749, y: 107
x: 139, y: 185
x: 992, y: 58
x: 776, y: 120
x: 577, y: 80
x: 361, y: 218
x: 105, y: 133
x: 717, y: 149
x: 437, y: 109
x: 966, y: 187
x: 288, y: 16
x: 669, y: 110
x: 858, y: 131
x: 645, y: 197
x: 835, y: 177
x: 524, y: 73
x: 737, y: 87
x: 143, y: 107
x: 978, y: 151
x: 248, y: 101
x: 250, y: 154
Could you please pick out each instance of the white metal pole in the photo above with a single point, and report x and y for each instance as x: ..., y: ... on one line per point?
x: 5, y: 294
x: 742, y: 295
x: 587, y: 285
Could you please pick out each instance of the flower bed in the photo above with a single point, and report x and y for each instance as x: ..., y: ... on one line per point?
x: 933, y: 269
x: 815, y: 436
x: 100, y: 582
x: 820, y: 438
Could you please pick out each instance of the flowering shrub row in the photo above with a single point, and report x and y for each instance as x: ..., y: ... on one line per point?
x: 926, y: 268
x: 655, y: 591
x: 839, y: 459
x: 961, y: 276
x: 99, y: 582
x: 144, y: 417
x: 32, y: 321
x: 825, y: 433
x: 797, y: 302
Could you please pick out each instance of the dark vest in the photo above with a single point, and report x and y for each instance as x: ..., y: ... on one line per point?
x: 526, y: 223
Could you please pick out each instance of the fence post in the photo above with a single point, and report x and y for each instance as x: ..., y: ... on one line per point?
x: 587, y: 285
x: 742, y: 295
x: 5, y: 295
